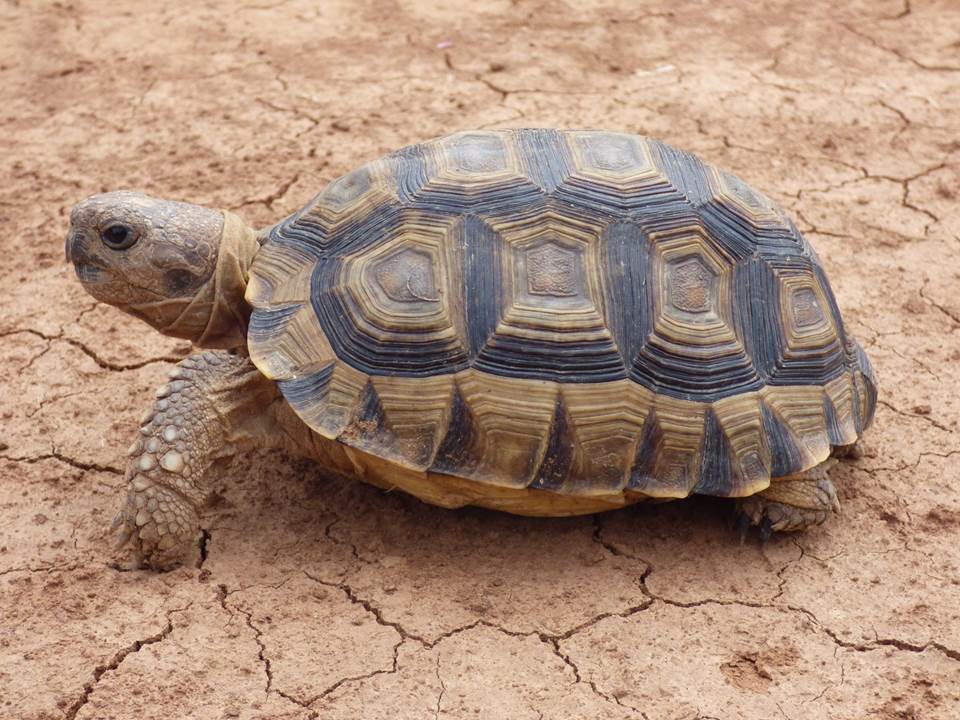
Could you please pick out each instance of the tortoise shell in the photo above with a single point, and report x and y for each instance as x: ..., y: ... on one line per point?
x: 491, y: 315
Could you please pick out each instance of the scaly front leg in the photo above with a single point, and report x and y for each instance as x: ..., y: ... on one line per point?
x: 215, y: 405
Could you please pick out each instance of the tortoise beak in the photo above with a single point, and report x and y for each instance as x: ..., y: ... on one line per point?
x: 68, y: 245
x: 75, y: 236
x: 86, y: 267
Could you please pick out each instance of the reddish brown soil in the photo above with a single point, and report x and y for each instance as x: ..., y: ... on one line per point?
x: 327, y: 599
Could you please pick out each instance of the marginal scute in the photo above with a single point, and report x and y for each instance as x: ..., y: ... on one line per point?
x: 512, y: 418
x: 558, y: 455
x: 865, y: 387
x: 462, y: 445
x: 739, y: 420
x: 668, y: 457
x: 839, y: 411
x: 418, y: 413
x: 866, y: 398
x: 799, y: 410
x: 607, y: 421
x: 327, y: 399
x: 368, y: 429
x: 570, y: 313
x: 344, y: 201
x: 288, y: 342
x: 280, y: 276
x: 755, y: 208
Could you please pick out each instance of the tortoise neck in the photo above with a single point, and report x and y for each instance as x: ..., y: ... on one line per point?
x: 219, y: 304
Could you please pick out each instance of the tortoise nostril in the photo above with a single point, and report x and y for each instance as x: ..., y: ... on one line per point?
x: 77, y: 250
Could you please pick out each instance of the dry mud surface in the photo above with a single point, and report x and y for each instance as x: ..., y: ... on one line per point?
x: 319, y: 598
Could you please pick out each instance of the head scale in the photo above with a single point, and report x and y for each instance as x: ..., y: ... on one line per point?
x: 180, y: 267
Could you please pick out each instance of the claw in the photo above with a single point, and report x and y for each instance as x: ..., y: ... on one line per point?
x: 743, y: 524
x: 123, y: 537
x: 766, y: 530
x: 835, y: 504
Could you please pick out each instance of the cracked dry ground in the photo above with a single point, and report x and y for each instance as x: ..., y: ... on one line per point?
x: 323, y: 598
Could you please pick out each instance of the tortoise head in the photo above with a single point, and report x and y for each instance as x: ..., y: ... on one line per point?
x: 180, y: 267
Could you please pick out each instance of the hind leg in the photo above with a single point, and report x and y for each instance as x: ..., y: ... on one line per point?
x: 854, y: 451
x: 795, y: 502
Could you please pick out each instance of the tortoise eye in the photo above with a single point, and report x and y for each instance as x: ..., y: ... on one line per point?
x: 118, y: 236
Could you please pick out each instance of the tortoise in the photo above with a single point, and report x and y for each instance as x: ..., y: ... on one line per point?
x: 538, y: 321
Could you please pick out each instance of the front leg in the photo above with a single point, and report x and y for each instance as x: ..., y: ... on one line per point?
x: 211, y: 409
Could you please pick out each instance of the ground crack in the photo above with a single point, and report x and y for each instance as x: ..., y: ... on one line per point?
x: 118, y: 658
x: 914, y: 416
x: 295, y: 111
x: 579, y: 679
x: 269, y: 200
x: 950, y: 314
x: 443, y: 689
x: 897, y: 53
x: 370, y: 608
x: 105, y: 364
x: 814, y: 230
x: 222, y: 594
x: 328, y: 533
x: 43, y: 569
x: 54, y: 455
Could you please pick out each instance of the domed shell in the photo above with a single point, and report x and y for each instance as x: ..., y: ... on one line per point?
x: 594, y: 314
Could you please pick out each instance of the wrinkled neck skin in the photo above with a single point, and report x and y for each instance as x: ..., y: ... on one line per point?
x: 216, y: 316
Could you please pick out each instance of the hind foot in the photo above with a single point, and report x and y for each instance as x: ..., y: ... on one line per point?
x: 795, y: 502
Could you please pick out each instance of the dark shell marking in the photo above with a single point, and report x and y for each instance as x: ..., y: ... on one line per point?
x: 582, y: 312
